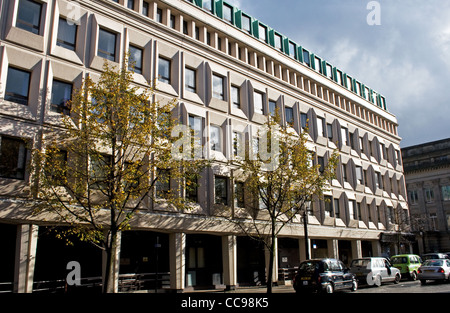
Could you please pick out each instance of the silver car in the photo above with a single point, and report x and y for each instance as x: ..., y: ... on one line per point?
x: 374, y: 271
x: 434, y: 269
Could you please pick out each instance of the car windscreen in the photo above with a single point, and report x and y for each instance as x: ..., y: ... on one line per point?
x: 433, y: 263
x: 360, y: 262
x: 399, y: 260
x: 309, y: 267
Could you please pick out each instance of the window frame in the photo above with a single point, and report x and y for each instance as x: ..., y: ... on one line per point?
x: 104, y: 53
x: 13, y: 97
x: 23, y: 24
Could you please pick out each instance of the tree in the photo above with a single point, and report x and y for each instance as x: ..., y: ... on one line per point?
x: 279, y: 183
x: 111, y: 158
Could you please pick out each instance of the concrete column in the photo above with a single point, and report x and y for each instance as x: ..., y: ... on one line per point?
x: 275, y: 261
x: 177, y: 244
x: 356, y: 249
x: 302, y: 248
x: 116, y: 264
x: 333, y: 250
x: 229, y: 256
x: 26, y: 243
x: 376, y: 248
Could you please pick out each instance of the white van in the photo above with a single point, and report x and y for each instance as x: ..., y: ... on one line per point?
x: 374, y: 271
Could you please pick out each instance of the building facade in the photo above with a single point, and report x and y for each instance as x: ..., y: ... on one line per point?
x: 427, y: 174
x: 228, y: 71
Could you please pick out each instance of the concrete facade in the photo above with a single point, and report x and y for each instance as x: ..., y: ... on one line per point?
x: 341, y: 112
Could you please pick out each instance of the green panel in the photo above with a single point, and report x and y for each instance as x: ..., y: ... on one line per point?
x: 324, y: 68
x: 335, y: 74
x: 199, y: 3
x: 238, y: 18
x: 300, y: 54
x: 219, y: 8
x: 312, y: 61
x: 255, y: 28
x: 286, y: 45
x: 271, y: 37
x: 344, y: 79
x: 363, y: 91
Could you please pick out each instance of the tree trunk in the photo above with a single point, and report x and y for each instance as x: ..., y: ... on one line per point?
x: 110, y: 276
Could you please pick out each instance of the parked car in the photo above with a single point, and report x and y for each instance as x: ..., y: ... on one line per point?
x: 408, y: 264
x: 323, y: 275
x: 434, y: 269
x: 432, y: 256
x: 374, y: 271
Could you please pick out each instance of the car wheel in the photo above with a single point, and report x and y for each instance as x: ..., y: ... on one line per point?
x: 397, y: 279
x: 354, y: 285
x: 413, y: 276
x: 329, y: 288
x: 377, y: 281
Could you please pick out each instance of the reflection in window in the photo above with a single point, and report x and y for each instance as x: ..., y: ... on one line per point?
x: 135, y: 60
x: 13, y: 154
x: 107, y: 45
x: 29, y: 16
x: 17, y: 86
x: 61, y: 94
x: 164, y: 70
x: 67, y: 34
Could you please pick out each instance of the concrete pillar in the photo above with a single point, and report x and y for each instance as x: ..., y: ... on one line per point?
x: 356, y: 249
x: 229, y: 256
x: 177, y: 244
x: 302, y: 249
x: 333, y: 250
x: 116, y: 264
x: 376, y: 248
x: 26, y: 243
x: 275, y: 260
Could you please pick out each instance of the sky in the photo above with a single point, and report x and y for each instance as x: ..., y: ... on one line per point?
x: 405, y: 56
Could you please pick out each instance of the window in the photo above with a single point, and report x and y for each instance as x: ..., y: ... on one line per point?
x: 413, y: 197
x: 190, y: 80
x: 361, y: 144
x: 162, y: 184
x: 145, y: 8
x: 12, y: 158
x: 159, y: 15
x: 172, y: 21
x: 61, y: 94
x: 191, y: 189
x: 208, y: 5
x: 429, y: 195
x: 304, y: 120
x: 130, y: 4
x: 107, y: 45
x: 320, y: 122
x: 238, y: 144
x: 100, y: 170
x: 351, y: 209
x: 272, y: 107
x: 328, y: 206
x: 339, y: 78
x: 329, y: 70
x: 344, y: 172
x: 220, y: 190
x: 433, y: 221
x: 214, y: 139
x: 330, y: 131
x: 258, y: 102
x: 321, y: 163
x: 292, y: 50
x: 344, y: 136
x: 382, y: 151
x: 218, y: 87
x: 278, y: 42
x: 67, y: 34
x: 228, y: 13
x: 246, y: 25
x: 391, y: 216
x: 306, y: 59
x: 236, y: 97
x: 318, y: 64
x: 337, y: 212
x: 262, y: 32
x: 57, y: 174
x: 196, y: 126
x: 378, y: 180
x: 29, y: 16
x: 289, y: 115
x: 164, y: 70
x: 446, y: 193
x: 135, y: 60
x: 359, y: 175
x: 239, y: 195
x: 17, y: 86
x: 358, y: 211
x: 349, y: 83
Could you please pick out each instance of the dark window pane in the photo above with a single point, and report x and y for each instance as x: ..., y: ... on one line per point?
x: 218, y: 89
x: 12, y: 158
x: 67, y: 34
x: 220, y: 187
x: 107, y: 45
x: 29, y: 16
x: 61, y: 94
x: 17, y: 86
x: 289, y: 112
x: 164, y: 70
x: 190, y: 80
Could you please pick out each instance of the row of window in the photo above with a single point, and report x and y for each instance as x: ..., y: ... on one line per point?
x: 107, y: 48
x: 429, y: 196
x: 236, y: 17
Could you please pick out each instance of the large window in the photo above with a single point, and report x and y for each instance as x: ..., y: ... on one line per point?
x: 236, y: 97
x: 163, y: 184
x: 221, y: 191
x: 239, y: 195
x: 289, y: 115
x: 262, y: 33
x: 164, y: 70
x: 67, y: 34
x: 190, y: 80
x: 320, y: 126
x: 17, y: 86
x: 446, y: 193
x: 135, y: 59
x: 12, y: 158
x: 218, y: 87
x: 29, y: 16
x: 359, y: 175
x: 258, y: 102
x: 196, y: 127
x: 228, y: 13
x: 246, y: 23
x: 107, y: 44
x: 61, y: 94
